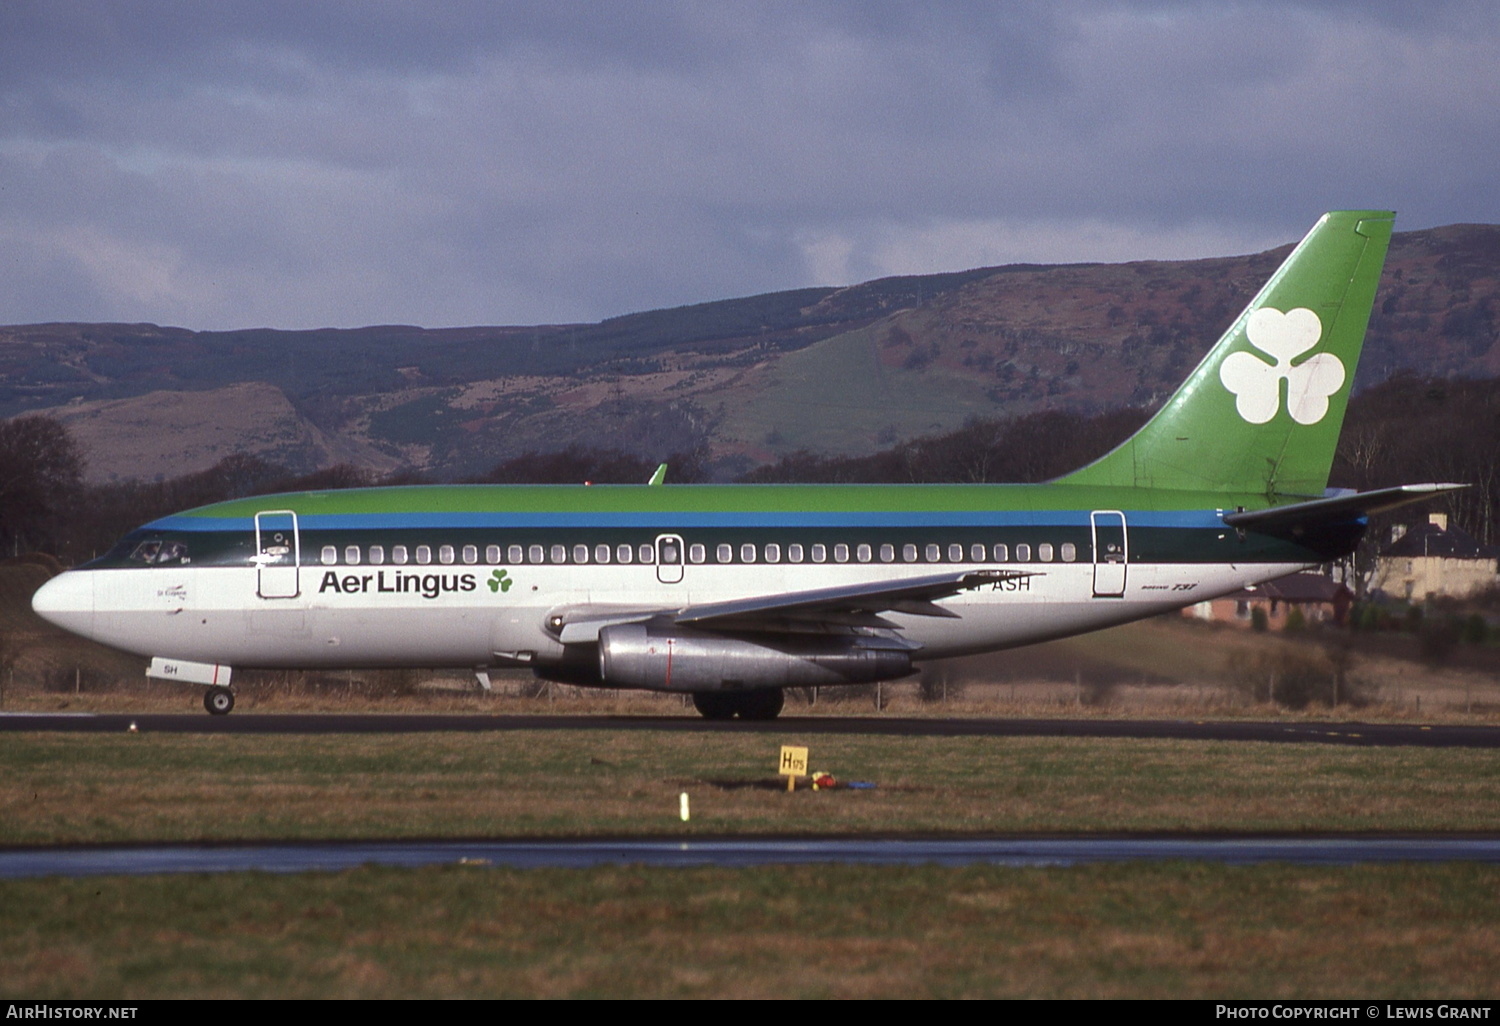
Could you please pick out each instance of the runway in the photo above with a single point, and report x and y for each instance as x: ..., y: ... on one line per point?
x: 135, y: 860
x: 1340, y: 733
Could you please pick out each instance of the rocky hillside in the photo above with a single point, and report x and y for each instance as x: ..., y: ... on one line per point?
x: 833, y: 370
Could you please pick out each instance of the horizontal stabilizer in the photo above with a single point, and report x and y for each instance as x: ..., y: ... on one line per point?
x: 1349, y: 506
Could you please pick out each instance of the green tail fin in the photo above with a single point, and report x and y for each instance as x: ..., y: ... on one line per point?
x: 1261, y: 414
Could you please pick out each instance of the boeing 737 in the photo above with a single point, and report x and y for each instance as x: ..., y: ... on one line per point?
x: 735, y: 592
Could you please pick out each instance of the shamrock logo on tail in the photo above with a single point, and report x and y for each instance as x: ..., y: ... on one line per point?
x: 1256, y: 385
x: 499, y: 581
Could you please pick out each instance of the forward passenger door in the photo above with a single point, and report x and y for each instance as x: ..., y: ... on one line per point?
x: 278, y: 554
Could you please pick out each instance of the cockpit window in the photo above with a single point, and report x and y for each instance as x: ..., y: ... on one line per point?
x: 158, y: 552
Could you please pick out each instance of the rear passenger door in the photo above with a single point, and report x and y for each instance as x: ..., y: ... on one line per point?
x: 1111, y: 553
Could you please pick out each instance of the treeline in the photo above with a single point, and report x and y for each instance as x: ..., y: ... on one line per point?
x: 1034, y: 447
x: 1412, y: 429
x: 1406, y: 430
x: 45, y: 506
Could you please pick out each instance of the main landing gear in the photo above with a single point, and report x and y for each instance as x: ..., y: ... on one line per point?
x: 218, y: 701
x: 756, y: 704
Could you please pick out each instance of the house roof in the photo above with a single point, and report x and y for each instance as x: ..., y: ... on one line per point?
x: 1301, y: 587
x: 1431, y: 540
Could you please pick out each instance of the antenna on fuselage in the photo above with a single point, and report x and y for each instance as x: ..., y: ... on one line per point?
x: 660, y: 476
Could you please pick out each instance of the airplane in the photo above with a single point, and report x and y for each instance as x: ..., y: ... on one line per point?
x: 733, y: 593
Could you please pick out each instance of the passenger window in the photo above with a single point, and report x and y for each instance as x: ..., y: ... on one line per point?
x: 909, y: 553
x: 515, y: 554
x: 471, y: 554
x: 559, y: 553
x: 624, y: 553
x: 377, y: 554
x: 329, y: 555
x: 1002, y: 553
x: 773, y: 553
x: 862, y: 553
x: 1044, y: 552
x: 887, y: 553
x: 647, y: 553
x: 794, y: 553
x: 724, y: 553
x: 492, y: 554
x: 976, y: 553
x: 351, y: 555
x: 424, y: 555
x: 1069, y: 552
x: 445, y: 554
x: 398, y: 554
x: 580, y: 553
x: 955, y: 553
x: 601, y: 553
x: 934, y: 554
x: 747, y: 553
x: 697, y: 553
x: 1023, y: 553
x: 819, y: 553
x: 841, y: 553
x: 535, y: 554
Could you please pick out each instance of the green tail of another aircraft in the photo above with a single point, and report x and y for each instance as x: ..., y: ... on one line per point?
x: 1262, y: 413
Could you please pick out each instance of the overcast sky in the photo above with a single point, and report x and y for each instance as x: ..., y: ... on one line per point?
x: 302, y: 164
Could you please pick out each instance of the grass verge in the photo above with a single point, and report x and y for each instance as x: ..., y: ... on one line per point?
x: 92, y: 788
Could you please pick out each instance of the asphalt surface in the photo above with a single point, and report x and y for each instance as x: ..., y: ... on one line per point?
x: 131, y: 860
x: 1359, y: 734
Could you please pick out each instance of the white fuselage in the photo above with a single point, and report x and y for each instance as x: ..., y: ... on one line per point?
x: 386, y: 616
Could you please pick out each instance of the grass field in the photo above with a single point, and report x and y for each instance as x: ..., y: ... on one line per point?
x: 80, y: 788
x: 1171, y: 930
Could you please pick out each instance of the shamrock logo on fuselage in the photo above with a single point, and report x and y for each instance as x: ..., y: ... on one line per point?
x: 499, y: 581
x: 1256, y: 385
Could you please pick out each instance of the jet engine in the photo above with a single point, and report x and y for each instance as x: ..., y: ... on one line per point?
x: 670, y: 658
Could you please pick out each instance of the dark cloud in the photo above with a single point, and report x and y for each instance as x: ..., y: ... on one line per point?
x: 294, y: 164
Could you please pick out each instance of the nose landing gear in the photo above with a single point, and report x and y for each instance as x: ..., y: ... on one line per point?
x: 218, y: 701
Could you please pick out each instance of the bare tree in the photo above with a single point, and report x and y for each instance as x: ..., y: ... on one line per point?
x: 41, y: 472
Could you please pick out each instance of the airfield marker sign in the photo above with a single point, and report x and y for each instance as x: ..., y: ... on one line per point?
x: 793, y: 764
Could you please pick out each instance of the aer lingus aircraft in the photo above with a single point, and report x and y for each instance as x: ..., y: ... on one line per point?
x: 733, y: 593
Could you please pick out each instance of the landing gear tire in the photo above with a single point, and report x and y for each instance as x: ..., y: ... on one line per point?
x: 714, y: 705
x: 218, y: 701
x: 759, y: 704
x: 763, y: 704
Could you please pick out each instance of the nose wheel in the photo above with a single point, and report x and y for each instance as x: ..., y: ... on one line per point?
x: 218, y: 701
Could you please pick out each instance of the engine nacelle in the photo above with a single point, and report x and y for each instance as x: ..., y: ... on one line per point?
x: 636, y: 655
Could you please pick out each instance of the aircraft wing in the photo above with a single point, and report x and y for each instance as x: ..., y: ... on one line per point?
x: 854, y: 605
x: 1335, y: 508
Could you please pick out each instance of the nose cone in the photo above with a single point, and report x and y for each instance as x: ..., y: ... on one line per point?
x: 67, y: 601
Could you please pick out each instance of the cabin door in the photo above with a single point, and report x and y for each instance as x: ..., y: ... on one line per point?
x: 278, y: 554
x: 1111, y: 553
x: 669, y: 559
